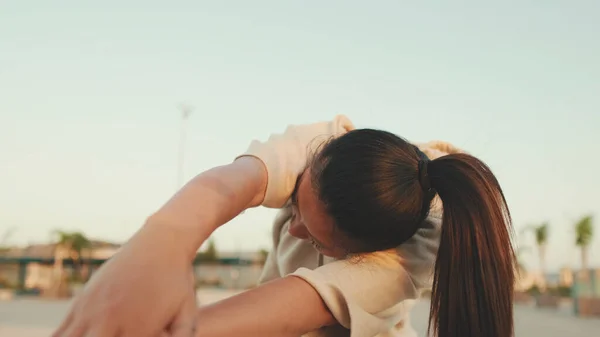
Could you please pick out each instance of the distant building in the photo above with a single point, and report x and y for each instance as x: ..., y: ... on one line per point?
x: 38, y: 260
x: 249, y: 256
x: 96, y: 250
x: 236, y: 270
x: 33, y: 266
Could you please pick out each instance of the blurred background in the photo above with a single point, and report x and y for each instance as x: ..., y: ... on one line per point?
x: 107, y: 108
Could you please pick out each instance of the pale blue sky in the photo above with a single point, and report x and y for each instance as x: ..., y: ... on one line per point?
x: 89, y: 125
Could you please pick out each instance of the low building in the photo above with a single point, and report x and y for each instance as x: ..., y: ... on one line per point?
x: 32, y: 266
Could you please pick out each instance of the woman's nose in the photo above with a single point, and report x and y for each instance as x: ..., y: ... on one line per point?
x: 298, y: 229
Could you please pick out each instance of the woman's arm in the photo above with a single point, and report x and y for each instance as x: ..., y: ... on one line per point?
x: 284, y: 307
x: 210, y: 200
x: 152, y: 270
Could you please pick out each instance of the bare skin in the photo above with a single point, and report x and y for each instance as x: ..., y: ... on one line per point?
x: 285, y: 307
x: 153, y: 271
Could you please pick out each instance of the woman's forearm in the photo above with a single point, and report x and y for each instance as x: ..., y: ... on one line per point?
x: 283, y: 307
x: 210, y: 200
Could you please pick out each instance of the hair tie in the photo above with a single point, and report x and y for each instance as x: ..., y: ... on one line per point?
x: 423, y: 176
x: 422, y: 170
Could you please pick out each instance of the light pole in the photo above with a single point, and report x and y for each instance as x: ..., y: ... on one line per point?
x: 186, y: 111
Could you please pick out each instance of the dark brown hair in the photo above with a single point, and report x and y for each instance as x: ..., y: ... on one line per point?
x: 369, y: 183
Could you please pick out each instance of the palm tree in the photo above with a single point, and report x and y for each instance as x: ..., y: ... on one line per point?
x: 211, y: 251
x: 70, y: 244
x: 541, y: 239
x: 583, y: 237
x: 210, y: 254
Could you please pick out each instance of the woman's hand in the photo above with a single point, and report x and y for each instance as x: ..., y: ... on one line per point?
x: 185, y: 322
x: 143, y: 289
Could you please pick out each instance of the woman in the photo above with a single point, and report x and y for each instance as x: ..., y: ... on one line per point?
x: 366, y: 194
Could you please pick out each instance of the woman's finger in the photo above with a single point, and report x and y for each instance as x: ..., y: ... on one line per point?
x: 184, y: 324
x: 74, y: 330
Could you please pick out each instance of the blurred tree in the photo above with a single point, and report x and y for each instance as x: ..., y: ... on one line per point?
x: 211, y: 251
x: 584, y: 232
x: 210, y: 254
x: 541, y: 240
x: 263, y: 255
x: 70, y: 245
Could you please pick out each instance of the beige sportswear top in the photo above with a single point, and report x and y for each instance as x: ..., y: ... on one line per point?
x: 371, y: 297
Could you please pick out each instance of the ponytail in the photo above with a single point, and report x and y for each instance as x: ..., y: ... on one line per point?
x: 474, y: 270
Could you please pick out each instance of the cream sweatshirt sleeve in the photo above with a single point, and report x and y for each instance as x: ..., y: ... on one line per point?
x: 285, y: 155
x: 271, y: 270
